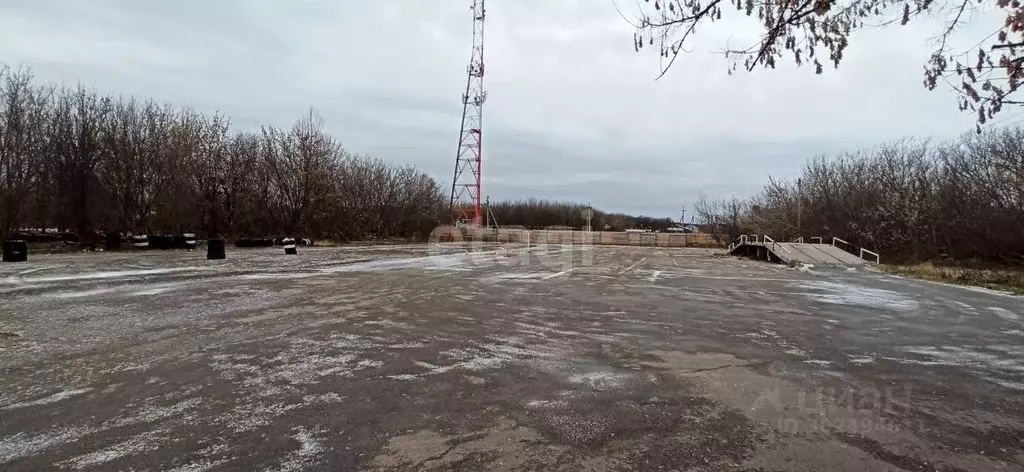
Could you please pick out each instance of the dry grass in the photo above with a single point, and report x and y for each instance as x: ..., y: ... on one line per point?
x: 1009, y: 278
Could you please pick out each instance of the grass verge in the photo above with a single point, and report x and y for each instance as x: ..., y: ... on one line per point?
x: 1008, y: 278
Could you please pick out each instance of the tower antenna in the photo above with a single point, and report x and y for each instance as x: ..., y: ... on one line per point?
x: 465, y: 199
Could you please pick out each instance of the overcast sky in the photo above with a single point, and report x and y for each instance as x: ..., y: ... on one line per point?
x: 573, y: 113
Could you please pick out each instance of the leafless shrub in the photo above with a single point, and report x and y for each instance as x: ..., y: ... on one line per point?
x: 908, y: 199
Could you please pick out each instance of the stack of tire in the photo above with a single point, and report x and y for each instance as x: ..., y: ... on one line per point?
x: 112, y: 241
x: 44, y: 236
x: 289, y: 246
x: 254, y: 242
x: 140, y: 241
x: 161, y: 242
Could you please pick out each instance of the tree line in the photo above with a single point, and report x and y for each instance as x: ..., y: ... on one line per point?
x: 541, y: 214
x: 910, y: 200
x: 74, y: 160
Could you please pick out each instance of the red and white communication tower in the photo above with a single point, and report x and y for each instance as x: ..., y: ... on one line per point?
x: 465, y: 201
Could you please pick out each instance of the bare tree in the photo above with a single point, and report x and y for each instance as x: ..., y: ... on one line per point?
x: 237, y: 183
x: 75, y: 154
x: 298, y: 164
x: 77, y: 160
x: 23, y: 116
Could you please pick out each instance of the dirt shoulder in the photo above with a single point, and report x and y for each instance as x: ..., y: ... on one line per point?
x: 996, y: 277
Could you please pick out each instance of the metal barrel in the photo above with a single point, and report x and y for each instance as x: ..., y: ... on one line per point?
x: 215, y: 249
x: 289, y: 246
x: 15, y: 250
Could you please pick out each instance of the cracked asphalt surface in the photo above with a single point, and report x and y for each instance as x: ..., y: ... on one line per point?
x: 422, y: 357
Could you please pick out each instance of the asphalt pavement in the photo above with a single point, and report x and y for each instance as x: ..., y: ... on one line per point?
x: 420, y: 357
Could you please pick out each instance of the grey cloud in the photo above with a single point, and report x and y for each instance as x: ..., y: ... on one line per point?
x: 573, y: 112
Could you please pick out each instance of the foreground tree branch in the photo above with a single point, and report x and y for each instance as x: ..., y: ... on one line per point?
x: 818, y: 31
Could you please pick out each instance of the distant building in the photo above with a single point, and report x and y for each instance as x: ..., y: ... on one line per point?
x: 683, y: 229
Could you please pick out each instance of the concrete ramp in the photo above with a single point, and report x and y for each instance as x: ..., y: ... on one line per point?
x: 815, y: 254
x: 798, y: 253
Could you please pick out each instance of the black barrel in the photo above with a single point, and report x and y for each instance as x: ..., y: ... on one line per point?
x: 15, y: 250
x: 215, y: 249
x: 190, y: 241
x: 112, y: 241
x: 289, y: 246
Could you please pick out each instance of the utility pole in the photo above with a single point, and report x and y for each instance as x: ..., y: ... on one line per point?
x: 590, y: 214
x: 487, y: 213
x: 799, y: 207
